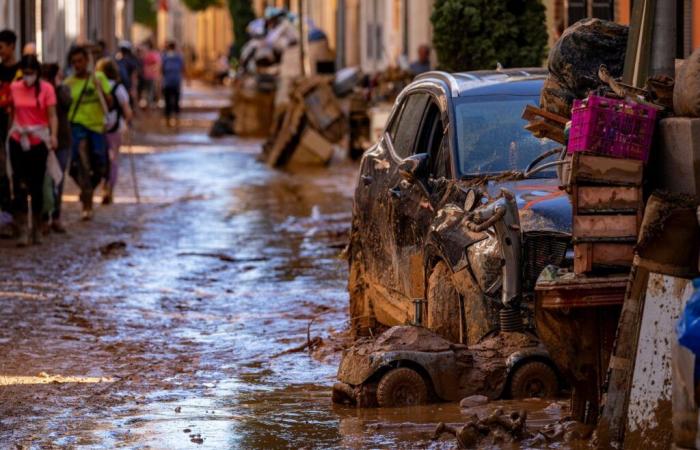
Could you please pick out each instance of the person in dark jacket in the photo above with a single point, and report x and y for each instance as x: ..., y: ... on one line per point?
x: 173, y: 67
x: 50, y: 73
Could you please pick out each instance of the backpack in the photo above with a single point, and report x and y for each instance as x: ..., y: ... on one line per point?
x: 116, y: 106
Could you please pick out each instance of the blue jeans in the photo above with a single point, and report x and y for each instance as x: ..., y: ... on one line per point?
x: 89, y: 161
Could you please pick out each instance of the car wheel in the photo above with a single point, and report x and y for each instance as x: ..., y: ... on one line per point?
x: 402, y: 387
x: 444, y: 315
x: 534, y: 379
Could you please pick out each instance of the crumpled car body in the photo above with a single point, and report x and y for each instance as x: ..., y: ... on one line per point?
x: 405, y: 230
x: 450, y: 371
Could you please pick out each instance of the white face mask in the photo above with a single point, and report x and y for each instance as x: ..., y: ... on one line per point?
x: 29, y: 80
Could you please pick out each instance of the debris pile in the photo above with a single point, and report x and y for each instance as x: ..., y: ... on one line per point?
x: 311, y: 122
x: 498, y: 428
x: 575, y: 59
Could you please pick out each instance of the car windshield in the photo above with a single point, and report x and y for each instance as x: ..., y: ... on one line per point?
x: 491, y: 137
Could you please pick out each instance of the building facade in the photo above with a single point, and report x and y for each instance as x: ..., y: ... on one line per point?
x: 55, y: 25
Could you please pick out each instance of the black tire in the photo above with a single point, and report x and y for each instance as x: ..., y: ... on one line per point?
x: 402, y: 387
x: 534, y: 379
x: 443, y: 304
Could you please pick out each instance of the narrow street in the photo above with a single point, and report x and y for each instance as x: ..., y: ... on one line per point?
x: 166, y: 323
x: 177, y: 322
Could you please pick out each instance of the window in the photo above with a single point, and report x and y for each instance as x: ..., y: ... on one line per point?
x: 491, y: 137
x: 432, y: 141
x: 408, y: 124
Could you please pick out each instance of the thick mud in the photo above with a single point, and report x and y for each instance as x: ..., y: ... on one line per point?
x: 178, y: 322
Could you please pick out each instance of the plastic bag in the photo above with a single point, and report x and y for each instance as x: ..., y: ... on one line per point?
x: 53, y: 168
x: 688, y: 328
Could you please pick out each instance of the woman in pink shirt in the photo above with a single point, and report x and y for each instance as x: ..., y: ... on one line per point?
x: 32, y: 135
x: 151, y: 74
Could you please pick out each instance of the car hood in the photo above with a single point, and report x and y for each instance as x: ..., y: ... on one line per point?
x: 543, y: 205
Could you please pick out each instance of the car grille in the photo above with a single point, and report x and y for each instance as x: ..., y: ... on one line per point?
x: 540, y: 249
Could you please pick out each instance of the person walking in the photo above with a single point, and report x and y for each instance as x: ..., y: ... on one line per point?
x: 50, y: 73
x: 118, y: 118
x: 32, y: 134
x: 173, y: 66
x: 9, y: 69
x: 151, y: 74
x: 91, y: 101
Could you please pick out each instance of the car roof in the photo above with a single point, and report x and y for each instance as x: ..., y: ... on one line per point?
x: 526, y: 81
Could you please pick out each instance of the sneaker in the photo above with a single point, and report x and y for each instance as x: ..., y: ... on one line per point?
x: 86, y: 215
x: 57, y: 226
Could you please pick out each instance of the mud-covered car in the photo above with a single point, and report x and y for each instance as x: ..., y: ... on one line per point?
x: 455, y: 149
x: 409, y: 365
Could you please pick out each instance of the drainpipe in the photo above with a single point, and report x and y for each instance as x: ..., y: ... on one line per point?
x: 663, y: 44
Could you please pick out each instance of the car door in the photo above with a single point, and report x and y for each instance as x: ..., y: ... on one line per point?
x: 415, y: 203
x: 380, y: 178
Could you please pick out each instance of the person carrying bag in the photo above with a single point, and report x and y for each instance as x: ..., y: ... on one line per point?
x: 91, y: 101
x: 32, y: 136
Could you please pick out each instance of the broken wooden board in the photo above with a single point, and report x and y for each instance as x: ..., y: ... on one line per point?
x: 532, y: 113
x: 605, y: 170
x: 545, y: 124
x: 541, y: 130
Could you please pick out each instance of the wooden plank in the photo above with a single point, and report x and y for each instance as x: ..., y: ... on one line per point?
x: 606, y: 170
x: 533, y: 113
x: 581, y: 292
x: 583, y: 258
x: 611, y: 426
x: 592, y: 199
x: 588, y: 256
x: 541, y: 129
x: 605, y: 226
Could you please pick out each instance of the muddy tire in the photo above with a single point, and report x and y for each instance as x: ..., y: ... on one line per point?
x: 534, y: 379
x: 402, y: 387
x: 443, y: 303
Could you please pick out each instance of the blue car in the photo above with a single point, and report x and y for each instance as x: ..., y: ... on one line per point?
x: 453, y: 146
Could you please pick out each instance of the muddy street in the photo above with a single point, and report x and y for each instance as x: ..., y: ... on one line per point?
x: 181, y: 321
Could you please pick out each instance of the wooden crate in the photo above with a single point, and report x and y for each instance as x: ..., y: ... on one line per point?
x: 603, y: 170
x: 607, y: 207
x: 606, y: 226
x: 602, y: 255
x: 607, y: 199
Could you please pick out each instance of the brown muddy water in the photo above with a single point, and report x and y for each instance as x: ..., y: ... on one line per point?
x: 168, y: 324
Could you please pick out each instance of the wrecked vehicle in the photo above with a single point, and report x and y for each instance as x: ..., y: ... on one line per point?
x: 457, y: 210
x: 409, y: 365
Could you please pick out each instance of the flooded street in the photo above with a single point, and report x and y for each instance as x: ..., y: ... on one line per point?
x: 179, y: 321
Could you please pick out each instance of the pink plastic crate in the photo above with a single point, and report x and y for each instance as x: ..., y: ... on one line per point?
x: 617, y: 128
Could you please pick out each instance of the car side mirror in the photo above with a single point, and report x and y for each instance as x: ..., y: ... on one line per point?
x: 414, y: 167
